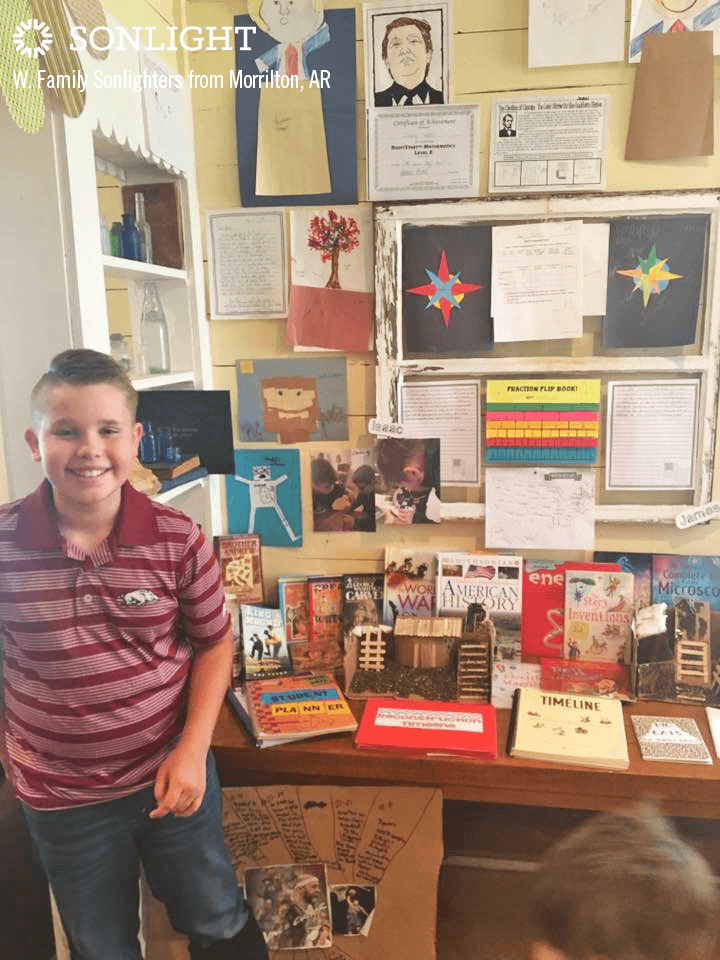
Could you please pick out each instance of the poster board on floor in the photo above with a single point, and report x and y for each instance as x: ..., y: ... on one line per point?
x: 389, y: 838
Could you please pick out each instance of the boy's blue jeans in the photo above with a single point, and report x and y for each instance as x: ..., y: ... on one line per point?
x: 92, y: 855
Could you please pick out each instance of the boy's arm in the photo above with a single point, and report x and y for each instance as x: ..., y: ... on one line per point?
x: 180, y: 781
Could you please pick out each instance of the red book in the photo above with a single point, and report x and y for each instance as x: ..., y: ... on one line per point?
x: 429, y: 727
x: 543, y: 606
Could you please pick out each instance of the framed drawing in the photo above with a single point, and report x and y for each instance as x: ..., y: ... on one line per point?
x: 648, y: 267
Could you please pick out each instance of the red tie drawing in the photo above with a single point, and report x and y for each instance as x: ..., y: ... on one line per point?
x: 678, y: 27
x: 291, y: 60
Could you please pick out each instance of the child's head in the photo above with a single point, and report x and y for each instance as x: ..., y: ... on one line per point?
x: 624, y: 886
x: 323, y: 475
x: 364, y: 479
x: 402, y: 462
x: 84, y: 431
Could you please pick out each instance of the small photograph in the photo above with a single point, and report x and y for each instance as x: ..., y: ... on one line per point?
x: 343, y: 491
x: 453, y: 569
x: 508, y: 126
x: 479, y: 571
x: 408, y: 480
x: 352, y: 908
x: 508, y: 573
x: 407, y: 54
x: 291, y: 905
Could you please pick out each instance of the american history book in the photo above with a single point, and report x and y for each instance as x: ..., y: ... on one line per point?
x: 598, y: 614
x: 492, y: 581
x: 409, y: 583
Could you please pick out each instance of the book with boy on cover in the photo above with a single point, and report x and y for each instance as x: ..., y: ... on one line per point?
x: 494, y: 582
x: 429, y: 727
x: 670, y: 739
x: 543, y: 606
x: 568, y: 728
x: 264, y: 645
x: 293, y: 603
x: 282, y: 709
x: 325, y: 609
x: 409, y: 583
x: 240, y: 561
x: 598, y: 614
x: 688, y: 578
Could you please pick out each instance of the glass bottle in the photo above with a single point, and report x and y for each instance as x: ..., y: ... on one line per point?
x: 130, y: 238
x: 105, y: 237
x: 116, y: 239
x: 120, y: 352
x: 155, y: 340
x: 146, y: 254
x: 148, y: 444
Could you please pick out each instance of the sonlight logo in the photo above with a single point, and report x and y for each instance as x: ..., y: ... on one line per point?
x: 32, y: 38
x: 138, y: 38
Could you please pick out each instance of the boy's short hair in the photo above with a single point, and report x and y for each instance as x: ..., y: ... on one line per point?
x: 83, y: 368
x: 625, y: 886
x: 322, y: 471
x: 364, y: 475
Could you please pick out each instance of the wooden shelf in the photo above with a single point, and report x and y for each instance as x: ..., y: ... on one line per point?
x: 178, y: 491
x: 136, y: 270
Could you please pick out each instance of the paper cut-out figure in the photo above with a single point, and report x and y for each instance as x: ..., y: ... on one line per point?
x: 407, y: 51
x: 291, y: 147
x: 677, y: 16
x: 263, y: 494
x: 290, y: 407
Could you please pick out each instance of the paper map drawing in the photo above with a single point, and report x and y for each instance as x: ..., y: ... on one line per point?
x: 539, y: 508
x: 389, y: 838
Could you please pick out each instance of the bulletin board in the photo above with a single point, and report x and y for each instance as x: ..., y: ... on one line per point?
x: 657, y: 326
x: 387, y: 840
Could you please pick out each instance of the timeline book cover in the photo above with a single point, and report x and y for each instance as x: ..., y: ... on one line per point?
x: 239, y: 556
x: 298, y: 707
x: 598, y: 614
x: 409, y: 585
x: 264, y: 644
x: 429, y: 727
x: 568, y: 728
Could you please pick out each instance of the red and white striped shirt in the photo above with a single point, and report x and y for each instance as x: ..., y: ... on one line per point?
x: 98, y: 648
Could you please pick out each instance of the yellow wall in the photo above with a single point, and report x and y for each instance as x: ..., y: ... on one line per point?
x: 490, y: 57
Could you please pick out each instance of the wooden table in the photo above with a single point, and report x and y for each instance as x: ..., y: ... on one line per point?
x: 681, y: 789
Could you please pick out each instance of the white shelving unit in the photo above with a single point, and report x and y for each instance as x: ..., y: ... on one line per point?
x: 54, y: 274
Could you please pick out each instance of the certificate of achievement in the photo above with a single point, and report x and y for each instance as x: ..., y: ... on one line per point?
x: 420, y: 153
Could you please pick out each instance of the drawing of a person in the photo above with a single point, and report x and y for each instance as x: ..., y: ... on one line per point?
x: 507, y: 126
x: 407, y: 51
x: 676, y: 16
x: 291, y: 147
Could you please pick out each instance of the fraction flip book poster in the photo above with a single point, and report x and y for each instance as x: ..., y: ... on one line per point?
x: 542, y: 421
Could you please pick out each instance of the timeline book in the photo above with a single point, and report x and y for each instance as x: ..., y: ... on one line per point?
x: 568, y: 728
x: 429, y: 727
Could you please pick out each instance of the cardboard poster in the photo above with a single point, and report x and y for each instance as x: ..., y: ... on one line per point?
x: 381, y: 847
x: 672, y: 108
x: 263, y: 496
x: 446, y: 290
x: 300, y: 139
x: 655, y: 272
x: 292, y: 400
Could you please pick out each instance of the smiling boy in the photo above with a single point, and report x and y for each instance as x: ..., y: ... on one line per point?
x: 117, y: 655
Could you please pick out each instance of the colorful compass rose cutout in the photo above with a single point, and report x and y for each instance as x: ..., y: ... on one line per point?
x: 650, y: 275
x: 445, y: 291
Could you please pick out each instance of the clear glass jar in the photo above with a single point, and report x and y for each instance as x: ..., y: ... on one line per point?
x: 120, y: 352
x: 153, y: 325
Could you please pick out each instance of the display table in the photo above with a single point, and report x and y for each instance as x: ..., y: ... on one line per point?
x: 680, y: 789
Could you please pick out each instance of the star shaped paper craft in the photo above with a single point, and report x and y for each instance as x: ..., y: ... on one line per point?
x: 445, y: 290
x: 650, y: 275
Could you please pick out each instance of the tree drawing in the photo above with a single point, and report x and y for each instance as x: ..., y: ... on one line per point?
x: 332, y: 236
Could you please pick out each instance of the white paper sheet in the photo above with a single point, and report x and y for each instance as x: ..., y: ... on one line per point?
x: 651, y: 434
x: 537, y: 281
x: 595, y: 246
x: 563, y: 32
x: 247, y: 264
x: 539, y: 508
x: 450, y: 410
x: 166, y: 112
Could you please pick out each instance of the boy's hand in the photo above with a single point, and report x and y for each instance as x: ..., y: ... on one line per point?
x: 180, y: 783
